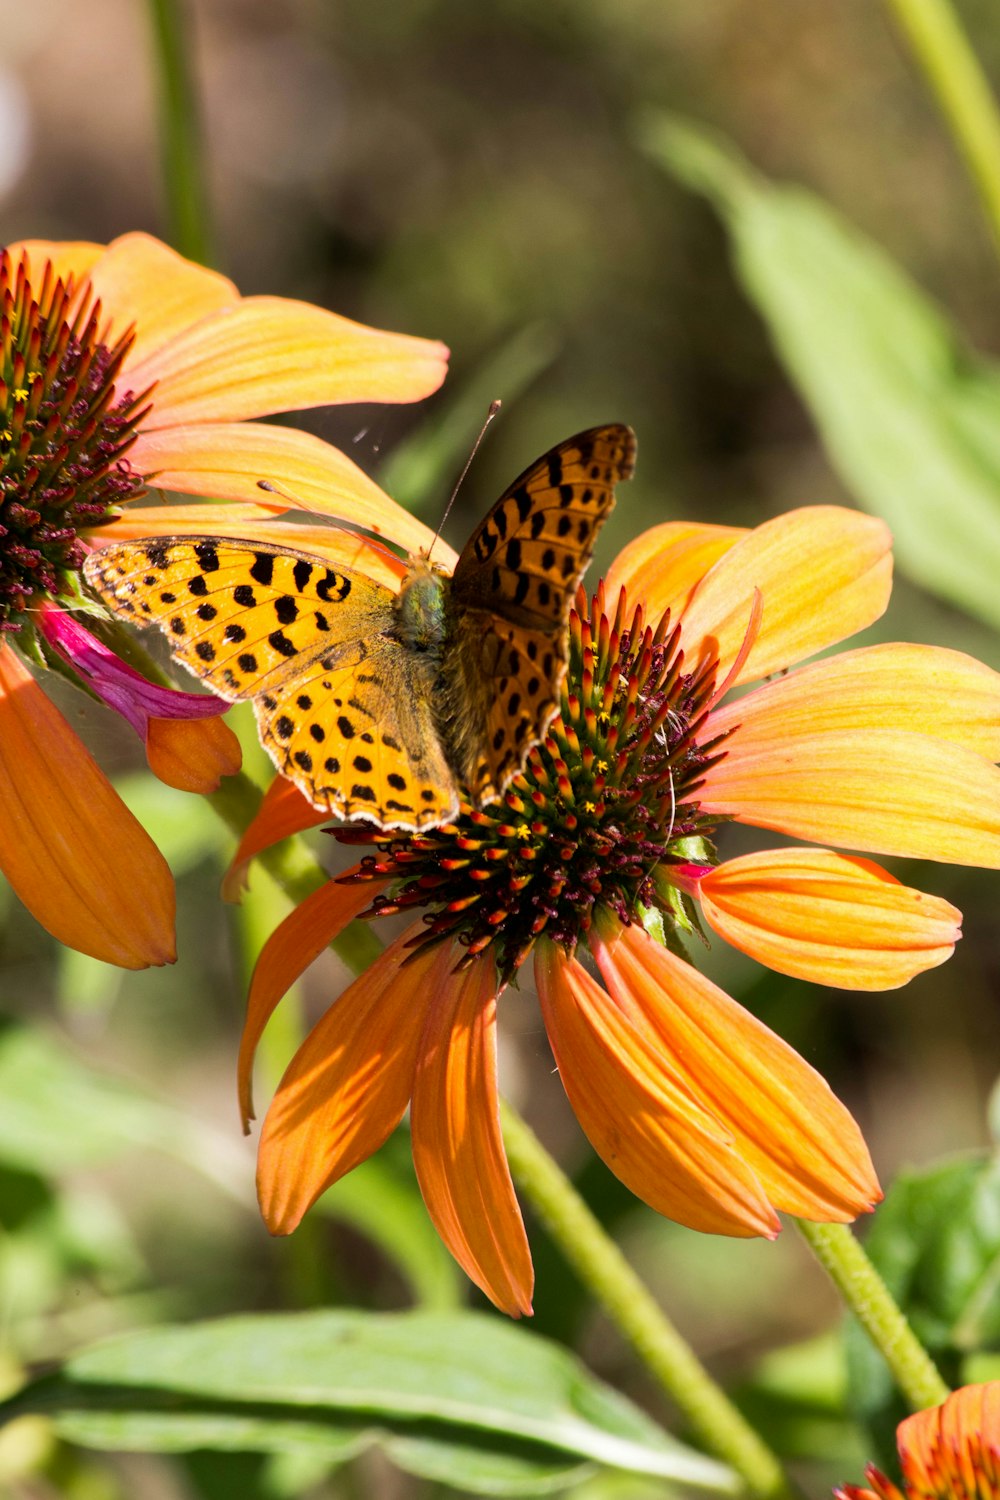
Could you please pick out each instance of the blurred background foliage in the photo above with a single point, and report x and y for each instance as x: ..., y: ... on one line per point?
x: 491, y: 176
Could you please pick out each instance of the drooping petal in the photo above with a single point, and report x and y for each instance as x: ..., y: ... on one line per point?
x: 458, y: 1148
x: 663, y: 566
x: 145, y: 285
x: 192, y: 754
x: 952, y: 1451
x: 882, y: 790
x: 283, y: 811
x: 347, y: 1087
x: 639, y: 1113
x: 293, y: 945
x: 926, y: 689
x: 828, y: 918
x: 269, y: 354
x: 823, y: 573
x: 75, y: 855
x: 787, y: 1125
x: 227, y: 459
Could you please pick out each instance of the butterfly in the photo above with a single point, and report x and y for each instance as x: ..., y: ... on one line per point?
x: 382, y: 705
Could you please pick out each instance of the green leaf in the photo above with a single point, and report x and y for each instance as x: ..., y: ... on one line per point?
x: 936, y: 1242
x: 909, y: 415
x: 458, y: 1396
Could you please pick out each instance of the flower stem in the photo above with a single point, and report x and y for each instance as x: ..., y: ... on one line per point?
x: 952, y: 70
x: 608, y: 1275
x: 868, y: 1297
x: 180, y: 134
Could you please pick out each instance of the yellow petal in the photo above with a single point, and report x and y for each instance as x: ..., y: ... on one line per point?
x: 226, y: 459
x: 145, y: 285
x: 638, y: 1111
x: 347, y: 1087
x: 828, y: 918
x: 787, y: 1125
x: 662, y: 566
x: 69, y: 257
x: 269, y: 354
x: 192, y: 754
x: 882, y: 790
x: 293, y: 945
x: 69, y: 846
x: 283, y: 811
x: 823, y: 573
x: 458, y: 1149
x: 926, y: 689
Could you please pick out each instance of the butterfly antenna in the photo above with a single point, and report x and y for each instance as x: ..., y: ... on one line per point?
x: 494, y: 408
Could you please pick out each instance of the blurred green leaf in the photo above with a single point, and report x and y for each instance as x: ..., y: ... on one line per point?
x: 936, y: 1242
x: 457, y: 1396
x: 422, y: 469
x: 909, y: 415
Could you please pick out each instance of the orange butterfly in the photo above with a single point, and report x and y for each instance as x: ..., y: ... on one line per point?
x: 382, y: 705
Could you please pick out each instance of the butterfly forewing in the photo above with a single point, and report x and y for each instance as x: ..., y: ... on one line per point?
x: 511, y: 592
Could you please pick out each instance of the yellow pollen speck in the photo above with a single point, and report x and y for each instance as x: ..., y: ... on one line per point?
x: 602, y: 766
x: 590, y: 807
x: 523, y: 831
x: 21, y: 393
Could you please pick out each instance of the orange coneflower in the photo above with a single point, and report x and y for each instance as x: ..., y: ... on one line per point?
x: 595, y: 860
x: 949, y: 1452
x: 121, y: 366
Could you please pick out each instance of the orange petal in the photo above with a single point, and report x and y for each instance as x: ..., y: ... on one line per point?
x: 458, y: 1149
x: 823, y: 572
x: 269, y: 354
x: 288, y: 952
x: 144, y: 284
x: 786, y: 1123
x: 192, y: 754
x: 339, y: 547
x: 347, y: 1087
x: 828, y: 918
x: 638, y: 1110
x: 282, y: 812
x: 878, y: 789
x: 927, y: 689
x: 69, y: 846
x: 227, y: 459
x: 663, y: 566
x: 69, y: 257
x: 954, y: 1449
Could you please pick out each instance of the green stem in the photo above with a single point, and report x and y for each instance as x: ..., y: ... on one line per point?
x: 180, y: 134
x: 604, y: 1270
x: 964, y: 97
x: 868, y: 1297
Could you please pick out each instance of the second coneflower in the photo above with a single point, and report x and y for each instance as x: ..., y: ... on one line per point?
x: 596, y: 863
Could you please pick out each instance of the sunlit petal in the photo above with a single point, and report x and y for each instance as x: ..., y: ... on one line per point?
x: 192, y: 754
x: 926, y: 689
x: 69, y: 257
x: 269, y: 354
x: 458, y: 1149
x: 797, y: 1137
x: 638, y: 1111
x: 227, y: 459
x: 663, y: 566
x: 69, y: 846
x: 828, y: 918
x: 823, y: 572
x: 145, y: 285
x: 886, y: 790
x: 288, y: 952
x: 347, y: 1087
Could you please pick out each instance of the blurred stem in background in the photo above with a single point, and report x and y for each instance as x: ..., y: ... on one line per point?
x: 868, y: 1297
x: 963, y: 93
x: 180, y: 134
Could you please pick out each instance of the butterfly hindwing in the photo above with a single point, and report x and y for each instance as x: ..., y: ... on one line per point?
x: 360, y: 739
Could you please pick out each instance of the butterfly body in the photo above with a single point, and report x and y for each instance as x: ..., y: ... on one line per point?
x: 382, y: 705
